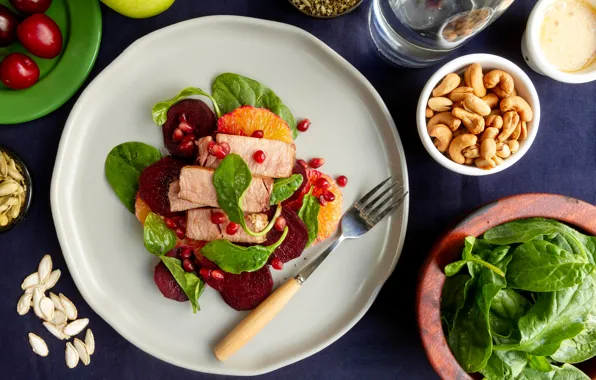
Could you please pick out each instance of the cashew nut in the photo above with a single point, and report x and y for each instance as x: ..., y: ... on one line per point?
x: 510, y: 121
x: 496, y: 111
x: 449, y: 83
x: 485, y: 164
x: 445, y: 118
x: 491, y: 99
x: 494, y: 121
x: 459, y: 132
x: 472, y: 151
x: 516, y: 132
x: 429, y: 113
x: 460, y: 93
x: 503, y: 150
x: 489, y: 133
x: 473, y: 78
x: 498, y: 160
x: 442, y: 135
x: 488, y: 148
x: 460, y: 143
x: 469, y: 161
x: 440, y: 104
x: 513, y: 146
x: 524, y: 131
x: 519, y: 105
x: 473, y: 123
x: 500, y: 78
x: 472, y: 103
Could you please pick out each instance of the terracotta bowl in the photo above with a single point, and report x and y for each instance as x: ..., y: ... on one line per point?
x: 568, y: 210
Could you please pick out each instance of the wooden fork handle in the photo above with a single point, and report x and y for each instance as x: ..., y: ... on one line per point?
x: 256, y: 320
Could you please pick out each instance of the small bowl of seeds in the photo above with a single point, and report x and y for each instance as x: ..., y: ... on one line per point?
x: 15, y: 189
x: 326, y: 8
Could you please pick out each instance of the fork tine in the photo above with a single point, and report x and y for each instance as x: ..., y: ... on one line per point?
x: 379, y: 198
x: 389, y: 209
x: 368, y: 195
x: 389, y: 196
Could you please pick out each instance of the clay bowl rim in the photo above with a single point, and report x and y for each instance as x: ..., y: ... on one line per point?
x: 447, y: 249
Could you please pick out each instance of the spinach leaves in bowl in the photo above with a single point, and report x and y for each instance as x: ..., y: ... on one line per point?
x: 521, y: 302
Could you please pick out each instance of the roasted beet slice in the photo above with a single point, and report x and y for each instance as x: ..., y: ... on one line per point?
x: 198, y: 116
x: 167, y: 284
x: 294, y: 243
x: 247, y: 290
x: 298, y: 169
x: 154, y: 183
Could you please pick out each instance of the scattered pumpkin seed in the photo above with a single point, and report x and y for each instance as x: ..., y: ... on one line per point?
x: 72, y: 357
x: 38, y: 345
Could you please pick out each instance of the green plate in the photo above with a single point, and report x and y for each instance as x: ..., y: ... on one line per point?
x: 61, y: 77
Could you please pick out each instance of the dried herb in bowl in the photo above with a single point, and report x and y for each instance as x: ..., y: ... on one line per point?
x: 326, y: 8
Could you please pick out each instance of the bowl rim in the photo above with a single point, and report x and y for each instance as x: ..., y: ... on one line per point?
x: 28, y: 181
x: 458, y: 64
x: 533, y: 28
x: 446, y: 249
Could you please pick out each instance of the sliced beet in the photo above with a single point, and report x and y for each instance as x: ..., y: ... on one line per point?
x: 167, y: 284
x: 198, y: 115
x: 154, y: 183
x: 294, y: 243
x: 298, y: 169
x: 247, y: 290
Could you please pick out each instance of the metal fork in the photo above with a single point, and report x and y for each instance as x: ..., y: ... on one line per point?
x: 359, y: 219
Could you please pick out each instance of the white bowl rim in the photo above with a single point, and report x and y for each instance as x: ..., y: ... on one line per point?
x: 534, y: 49
x: 456, y: 65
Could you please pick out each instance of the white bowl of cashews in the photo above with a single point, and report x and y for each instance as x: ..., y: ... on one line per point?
x: 478, y: 114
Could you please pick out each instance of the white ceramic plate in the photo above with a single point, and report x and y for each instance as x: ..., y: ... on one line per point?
x: 102, y: 242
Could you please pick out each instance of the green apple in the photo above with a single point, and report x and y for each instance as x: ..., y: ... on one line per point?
x: 139, y: 8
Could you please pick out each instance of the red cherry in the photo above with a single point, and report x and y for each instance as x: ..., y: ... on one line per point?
x: 187, y: 265
x: 17, y: 71
x: 303, y: 125
x: 8, y: 26
x: 316, y: 162
x: 232, y: 228
x: 218, y: 217
x: 205, y: 273
x: 259, y: 156
x: 40, y: 35
x: 342, y: 180
x: 322, y: 183
x: 280, y: 223
x: 186, y: 253
x: 217, y: 274
x: 31, y: 6
x: 277, y: 264
x: 259, y: 134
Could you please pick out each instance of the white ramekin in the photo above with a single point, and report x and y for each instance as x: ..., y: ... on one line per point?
x: 524, y: 86
x: 536, y: 59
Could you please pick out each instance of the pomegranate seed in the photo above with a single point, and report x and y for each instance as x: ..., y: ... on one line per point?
x: 280, y: 223
x: 302, y: 162
x: 342, y: 180
x: 187, y: 147
x: 188, y: 265
x: 322, y: 183
x: 218, y: 218
x: 259, y: 156
x: 258, y: 134
x: 180, y: 233
x: 171, y: 223
x: 322, y: 200
x: 178, y: 135
x: 217, y: 274
x: 182, y: 118
x: 185, y: 253
x: 329, y: 196
x: 218, y: 150
x: 188, y: 138
x: 232, y: 228
x: 182, y: 223
x: 316, y: 162
x: 303, y: 125
x: 185, y: 127
x: 277, y: 264
x: 225, y: 147
x: 205, y: 273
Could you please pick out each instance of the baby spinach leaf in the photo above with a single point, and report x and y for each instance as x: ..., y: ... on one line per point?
x: 507, y: 308
x: 231, y: 179
x: 158, y: 238
x: 539, y: 266
x: 566, y: 372
x: 454, y: 268
x: 284, y: 188
x: 309, y: 213
x: 453, y: 297
x: 123, y: 167
x: 232, y: 91
x: 468, y: 257
x: 236, y: 259
x: 519, y: 231
x: 539, y: 363
x: 192, y: 285
x: 160, y: 110
x: 504, y: 365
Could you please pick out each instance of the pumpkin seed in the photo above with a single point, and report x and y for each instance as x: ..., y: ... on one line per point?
x: 52, y: 279
x: 57, y: 303
x: 38, y: 345
x: 8, y: 188
x: 69, y: 308
x: 15, y: 210
x: 47, y: 308
x: 24, y: 303
x: 31, y: 280
x: 72, y: 357
x: 75, y: 327
x: 45, y: 267
x: 3, y: 166
x: 14, y: 174
x: 90, y: 342
x: 59, y: 317
x: 53, y: 330
x: 37, y: 297
x: 3, y: 220
x: 82, y: 351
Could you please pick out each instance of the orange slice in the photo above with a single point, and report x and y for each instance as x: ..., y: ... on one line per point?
x: 330, y: 213
x: 245, y: 120
x: 141, y: 209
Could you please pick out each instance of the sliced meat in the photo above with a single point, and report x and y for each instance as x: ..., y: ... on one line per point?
x: 203, y: 148
x: 196, y: 186
x: 177, y: 203
x: 279, y: 161
x: 200, y: 227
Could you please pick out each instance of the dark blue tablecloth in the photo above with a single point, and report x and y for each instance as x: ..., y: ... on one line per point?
x: 385, y: 344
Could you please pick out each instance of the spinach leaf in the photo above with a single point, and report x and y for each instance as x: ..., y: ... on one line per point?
x: 236, y: 259
x: 231, y: 179
x: 160, y: 110
x: 284, y: 188
x: 453, y: 297
x: 539, y: 363
x: 507, y: 308
x: 519, y: 231
x: 192, y: 285
x: 123, y: 167
x: 504, y: 365
x: 468, y: 257
x: 158, y: 238
x: 232, y: 91
x: 566, y: 372
x: 309, y: 213
x: 539, y: 266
